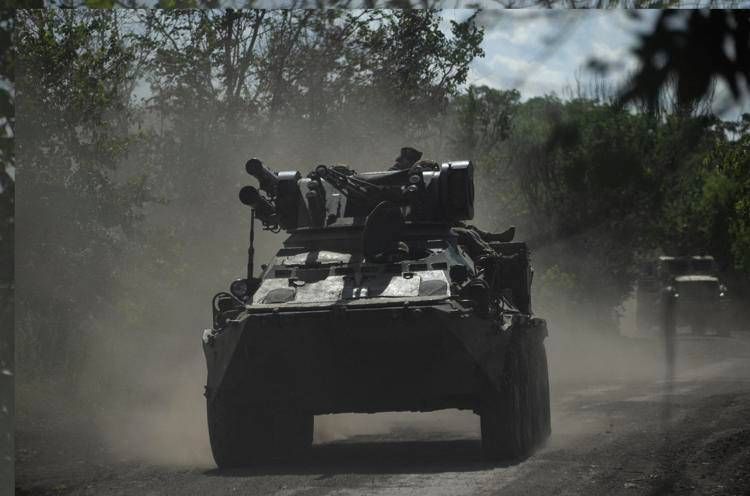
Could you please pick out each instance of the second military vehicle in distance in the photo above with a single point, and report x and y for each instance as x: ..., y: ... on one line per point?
x: 380, y: 299
x: 700, y: 299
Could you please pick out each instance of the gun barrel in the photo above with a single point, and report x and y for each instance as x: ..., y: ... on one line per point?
x: 266, y: 178
x: 263, y: 208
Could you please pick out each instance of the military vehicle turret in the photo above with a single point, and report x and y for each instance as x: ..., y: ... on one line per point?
x: 381, y: 299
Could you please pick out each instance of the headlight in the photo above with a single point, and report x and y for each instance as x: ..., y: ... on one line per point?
x: 432, y: 287
x: 280, y: 295
x: 239, y: 288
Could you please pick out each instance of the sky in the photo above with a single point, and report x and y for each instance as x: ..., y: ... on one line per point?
x: 542, y: 52
x: 545, y: 52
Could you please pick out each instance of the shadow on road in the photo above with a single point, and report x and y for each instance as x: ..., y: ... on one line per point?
x: 394, y: 457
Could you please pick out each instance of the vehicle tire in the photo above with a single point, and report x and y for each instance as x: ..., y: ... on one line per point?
x: 241, y: 435
x: 644, y: 314
x: 698, y: 327
x: 722, y: 329
x: 642, y: 321
x: 293, y: 435
x: 515, y: 418
x: 540, y: 387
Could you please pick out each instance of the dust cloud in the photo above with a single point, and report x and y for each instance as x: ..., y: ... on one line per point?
x: 444, y: 424
x: 580, y: 353
x: 141, y: 387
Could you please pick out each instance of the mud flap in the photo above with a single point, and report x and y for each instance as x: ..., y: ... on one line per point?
x: 219, y: 352
x: 486, y: 341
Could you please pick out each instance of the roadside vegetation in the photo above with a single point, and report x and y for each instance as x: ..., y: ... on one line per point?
x: 7, y: 197
x: 136, y: 125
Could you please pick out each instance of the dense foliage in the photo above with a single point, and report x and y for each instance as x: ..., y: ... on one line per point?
x: 128, y: 111
x: 596, y: 190
x: 75, y: 95
x: 394, y: 4
x: 136, y: 125
x: 689, y: 50
x: 7, y: 214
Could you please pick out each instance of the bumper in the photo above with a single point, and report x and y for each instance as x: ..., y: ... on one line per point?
x: 711, y: 313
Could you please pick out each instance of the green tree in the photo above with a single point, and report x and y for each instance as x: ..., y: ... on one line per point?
x: 585, y: 182
x: 687, y: 51
x: 707, y: 210
x: 126, y: 109
x: 7, y: 250
x: 76, y: 73
x: 296, y: 87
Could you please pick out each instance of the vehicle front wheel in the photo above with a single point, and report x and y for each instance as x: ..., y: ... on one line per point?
x: 515, y: 417
x: 698, y: 327
x: 241, y: 435
x: 723, y: 330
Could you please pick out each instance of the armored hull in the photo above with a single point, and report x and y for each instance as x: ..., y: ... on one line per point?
x: 413, y: 355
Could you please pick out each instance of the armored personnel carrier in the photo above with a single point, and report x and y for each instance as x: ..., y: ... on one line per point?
x: 700, y: 300
x: 381, y: 299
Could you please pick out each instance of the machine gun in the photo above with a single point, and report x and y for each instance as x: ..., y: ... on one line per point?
x: 346, y: 181
x: 365, y: 192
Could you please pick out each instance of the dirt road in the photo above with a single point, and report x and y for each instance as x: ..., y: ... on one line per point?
x: 610, y: 436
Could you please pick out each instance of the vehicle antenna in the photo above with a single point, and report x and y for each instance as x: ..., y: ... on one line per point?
x: 251, y: 248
